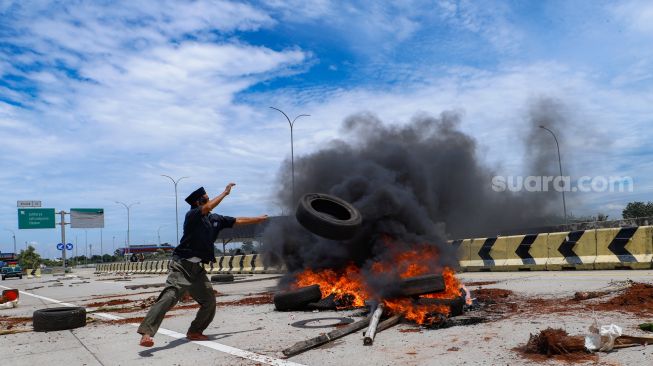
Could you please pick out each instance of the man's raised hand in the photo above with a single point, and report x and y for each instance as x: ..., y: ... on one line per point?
x: 227, y: 190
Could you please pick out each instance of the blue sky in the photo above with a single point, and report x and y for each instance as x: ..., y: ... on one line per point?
x: 97, y: 100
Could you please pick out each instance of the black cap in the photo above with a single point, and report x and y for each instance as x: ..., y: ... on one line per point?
x: 195, y: 196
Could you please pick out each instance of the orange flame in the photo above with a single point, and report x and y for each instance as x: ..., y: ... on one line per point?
x: 349, y: 286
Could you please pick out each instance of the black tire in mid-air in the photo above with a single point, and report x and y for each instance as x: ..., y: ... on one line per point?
x: 328, y: 216
x: 51, y: 319
x: 297, y: 299
x: 227, y: 277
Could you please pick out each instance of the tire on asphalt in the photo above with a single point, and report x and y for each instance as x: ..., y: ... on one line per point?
x: 328, y: 216
x: 225, y: 277
x: 297, y: 299
x: 47, y: 320
x: 421, y: 285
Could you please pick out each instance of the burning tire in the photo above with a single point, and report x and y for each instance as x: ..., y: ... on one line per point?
x: 222, y: 278
x: 421, y: 285
x: 297, y: 299
x: 47, y: 320
x: 328, y: 216
x: 455, y: 306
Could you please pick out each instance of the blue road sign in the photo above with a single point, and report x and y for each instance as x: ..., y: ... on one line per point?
x: 60, y: 246
x: 69, y: 246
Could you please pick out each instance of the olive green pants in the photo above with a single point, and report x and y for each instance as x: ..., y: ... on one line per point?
x: 184, y: 276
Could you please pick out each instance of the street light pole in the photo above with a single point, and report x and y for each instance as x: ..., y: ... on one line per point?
x: 127, y: 207
x: 175, y: 182
x: 13, y: 234
x: 292, y: 148
x: 158, y: 233
x: 564, y: 204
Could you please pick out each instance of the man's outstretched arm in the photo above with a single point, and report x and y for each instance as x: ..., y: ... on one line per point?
x: 250, y: 220
x: 206, y: 208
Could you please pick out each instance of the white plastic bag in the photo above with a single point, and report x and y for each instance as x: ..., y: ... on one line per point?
x: 602, y: 339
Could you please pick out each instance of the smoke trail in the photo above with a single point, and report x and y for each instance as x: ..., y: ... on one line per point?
x: 417, y: 183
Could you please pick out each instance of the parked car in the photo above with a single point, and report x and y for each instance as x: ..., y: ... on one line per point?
x: 12, y: 272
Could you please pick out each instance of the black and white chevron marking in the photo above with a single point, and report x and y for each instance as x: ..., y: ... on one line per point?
x: 484, y: 252
x: 618, y: 244
x: 523, y: 250
x: 567, y: 247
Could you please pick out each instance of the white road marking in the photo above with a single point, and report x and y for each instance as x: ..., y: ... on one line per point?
x: 170, y: 333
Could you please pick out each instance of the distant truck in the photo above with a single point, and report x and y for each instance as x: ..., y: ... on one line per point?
x: 15, y: 271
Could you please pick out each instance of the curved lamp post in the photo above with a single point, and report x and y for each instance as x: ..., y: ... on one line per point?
x: 292, y: 152
x: 14, y: 236
x: 175, y: 182
x: 564, y: 204
x: 127, y: 207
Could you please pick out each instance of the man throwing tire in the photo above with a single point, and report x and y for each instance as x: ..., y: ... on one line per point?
x: 201, y: 228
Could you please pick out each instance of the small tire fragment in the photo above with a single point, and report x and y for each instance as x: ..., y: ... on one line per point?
x: 63, y: 318
x: 297, y: 299
x: 328, y: 216
x: 227, y: 277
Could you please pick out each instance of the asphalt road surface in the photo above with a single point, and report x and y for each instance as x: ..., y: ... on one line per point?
x: 248, y: 331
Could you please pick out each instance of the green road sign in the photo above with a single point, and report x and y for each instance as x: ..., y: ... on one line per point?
x: 86, y: 218
x: 36, y: 218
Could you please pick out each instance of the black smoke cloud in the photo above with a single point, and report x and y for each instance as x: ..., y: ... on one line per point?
x: 421, y: 182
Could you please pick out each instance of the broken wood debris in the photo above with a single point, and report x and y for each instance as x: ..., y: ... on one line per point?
x: 371, y: 330
x: 303, y: 346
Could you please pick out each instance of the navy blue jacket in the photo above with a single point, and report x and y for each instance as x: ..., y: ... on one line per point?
x: 200, y: 233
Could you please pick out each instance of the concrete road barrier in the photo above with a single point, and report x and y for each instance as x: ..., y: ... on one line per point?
x: 464, y: 252
x: 237, y: 264
x: 624, y: 248
x: 226, y: 264
x: 571, y: 250
x: 257, y: 263
x: 482, y: 254
x: 162, y: 267
x: 524, y: 253
x: 218, y: 264
x: 248, y: 263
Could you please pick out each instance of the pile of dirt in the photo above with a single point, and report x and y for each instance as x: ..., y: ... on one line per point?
x: 260, y: 299
x: 97, y: 297
x: 109, y: 303
x: 8, y: 322
x: 638, y: 299
x: 480, y: 283
x: 556, y: 344
x: 491, y: 295
x: 146, y: 303
x: 135, y: 320
x: 586, y: 295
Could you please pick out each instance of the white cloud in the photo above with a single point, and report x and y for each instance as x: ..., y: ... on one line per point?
x: 635, y: 14
x: 157, y: 88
